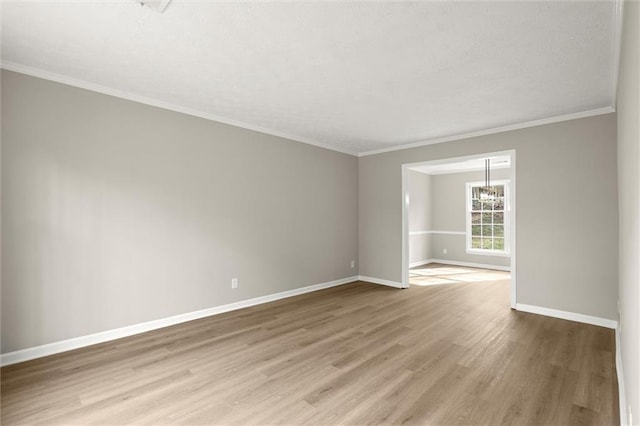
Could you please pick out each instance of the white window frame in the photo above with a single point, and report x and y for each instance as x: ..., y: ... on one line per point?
x: 507, y: 220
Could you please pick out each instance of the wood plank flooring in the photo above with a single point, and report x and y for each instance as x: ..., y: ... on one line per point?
x: 355, y: 354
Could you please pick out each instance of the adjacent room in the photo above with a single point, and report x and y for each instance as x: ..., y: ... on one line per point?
x: 460, y: 212
x: 320, y: 212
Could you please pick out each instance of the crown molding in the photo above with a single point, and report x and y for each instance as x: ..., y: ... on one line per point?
x: 517, y: 126
x: 58, y: 78
x: 82, y: 84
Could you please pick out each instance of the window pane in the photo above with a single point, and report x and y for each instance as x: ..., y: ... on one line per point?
x: 487, y: 217
x: 487, y: 243
x: 476, y: 243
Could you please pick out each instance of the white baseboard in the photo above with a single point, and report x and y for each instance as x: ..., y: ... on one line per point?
x: 105, y: 336
x: 622, y: 398
x: 412, y: 233
x: 571, y: 316
x: 380, y: 281
x: 456, y: 263
x: 419, y: 263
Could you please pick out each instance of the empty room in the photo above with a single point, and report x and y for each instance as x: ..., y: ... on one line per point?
x: 319, y: 213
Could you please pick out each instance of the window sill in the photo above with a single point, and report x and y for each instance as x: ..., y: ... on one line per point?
x: 489, y: 253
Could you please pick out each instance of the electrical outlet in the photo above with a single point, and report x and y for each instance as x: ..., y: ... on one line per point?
x: 444, y: 251
x: 353, y: 264
x: 234, y: 283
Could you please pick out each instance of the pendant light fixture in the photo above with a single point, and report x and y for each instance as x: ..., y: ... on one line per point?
x: 487, y: 191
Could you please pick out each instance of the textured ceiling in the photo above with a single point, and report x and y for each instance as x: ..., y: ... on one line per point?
x: 355, y: 76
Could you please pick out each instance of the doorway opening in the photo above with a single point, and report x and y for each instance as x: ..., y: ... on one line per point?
x: 458, y: 220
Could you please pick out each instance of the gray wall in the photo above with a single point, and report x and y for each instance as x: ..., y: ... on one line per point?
x: 116, y: 213
x: 419, y: 191
x: 629, y: 189
x: 449, y: 203
x: 438, y: 203
x: 566, y: 241
x: 448, y: 213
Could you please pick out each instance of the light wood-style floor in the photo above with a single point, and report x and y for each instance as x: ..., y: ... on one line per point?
x: 354, y: 354
x: 437, y: 274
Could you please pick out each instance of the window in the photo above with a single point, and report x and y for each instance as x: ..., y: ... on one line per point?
x: 488, y: 218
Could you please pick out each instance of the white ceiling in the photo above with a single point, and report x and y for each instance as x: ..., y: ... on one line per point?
x: 353, y: 76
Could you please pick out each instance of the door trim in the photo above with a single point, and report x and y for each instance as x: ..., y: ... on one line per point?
x: 513, y: 299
